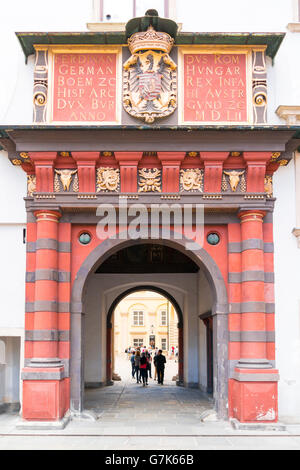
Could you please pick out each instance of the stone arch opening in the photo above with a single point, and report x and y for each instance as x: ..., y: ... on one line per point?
x: 180, y: 322
x: 218, y: 312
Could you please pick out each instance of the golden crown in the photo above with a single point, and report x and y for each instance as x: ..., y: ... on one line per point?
x: 150, y: 39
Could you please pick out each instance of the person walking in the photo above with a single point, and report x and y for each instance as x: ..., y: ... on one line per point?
x: 132, y: 360
x: 137, y: 360
x: 159, y: 362
x: 155, y: 370
x: 143, y: 368
x: 149, y: 357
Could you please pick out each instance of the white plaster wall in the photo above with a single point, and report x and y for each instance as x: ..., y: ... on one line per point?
x: 287, y: 294
x: 102, y: 289
x: 12, y: 276
x: 12, y: 258
x: 13, y: 189
x: 17, y: 77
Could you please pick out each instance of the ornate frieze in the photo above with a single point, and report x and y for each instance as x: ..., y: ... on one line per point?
x: 107, y: 180
x: 149, y: 180
x: 191, y: 180
x: 234, y: 180
x: 150, y: 76
x: 65, y: 180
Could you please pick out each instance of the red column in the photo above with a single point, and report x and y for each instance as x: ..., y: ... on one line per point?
x: 170, y: 170
x: 45, y: 389
x: 86, y: 164
x: 253, y: 390
x: 213, y: 168
x: 46, y: 289
x: 128, y: 162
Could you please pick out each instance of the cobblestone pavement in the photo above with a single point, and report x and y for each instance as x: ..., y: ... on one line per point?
x: 128, y: 416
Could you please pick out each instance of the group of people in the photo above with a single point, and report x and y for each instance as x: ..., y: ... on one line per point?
x: 141, y: 365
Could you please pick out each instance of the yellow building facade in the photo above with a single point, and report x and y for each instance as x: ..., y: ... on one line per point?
x: 145, y: 319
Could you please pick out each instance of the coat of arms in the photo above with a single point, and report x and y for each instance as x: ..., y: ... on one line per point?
x: 150, y: 76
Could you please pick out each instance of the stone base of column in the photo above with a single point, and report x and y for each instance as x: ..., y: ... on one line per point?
x: 253, y: 395
x: 257, y: 426
x: 44, y: 425
x: 45, y: 394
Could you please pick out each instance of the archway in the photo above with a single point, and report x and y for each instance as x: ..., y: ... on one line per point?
x: 109, y: 335
x: 219, y: 310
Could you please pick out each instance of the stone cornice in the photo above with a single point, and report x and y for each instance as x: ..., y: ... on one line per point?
x: 291, y: 114
x: 148, y: 138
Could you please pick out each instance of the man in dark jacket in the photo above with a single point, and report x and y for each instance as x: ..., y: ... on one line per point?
x: 159, y: 362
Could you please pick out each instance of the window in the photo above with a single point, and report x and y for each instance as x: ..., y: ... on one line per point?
x: 164, y: 344
x: 117, y: 11
x: 138, y: 317
x: 138, y: 342
x: 163, y: 317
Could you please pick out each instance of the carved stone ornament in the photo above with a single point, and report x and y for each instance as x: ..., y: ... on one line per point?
x: 31, y: 185
x: 259, y: 87
x: 234, y: 177
x: 40, y: 87
x: 150, y: 180
x: 65, y: 177
x: 108, y: 179
x: 191, y: 180
x: 269, y: 186
x: 150, y: 76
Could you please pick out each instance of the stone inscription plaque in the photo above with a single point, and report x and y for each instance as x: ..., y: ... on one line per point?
x: 84, y: 87
x: 215, y: 88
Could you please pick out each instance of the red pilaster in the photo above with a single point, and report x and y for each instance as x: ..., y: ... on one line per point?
x: 256, y: 170
x: 43, y: 162
x: 213, y: 168
x: 86, y: 164
x: 171, y: 162
x: 128, y: 162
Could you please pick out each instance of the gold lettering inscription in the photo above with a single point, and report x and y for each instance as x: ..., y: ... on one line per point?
x: 215, y: 87
x: 84, y: 87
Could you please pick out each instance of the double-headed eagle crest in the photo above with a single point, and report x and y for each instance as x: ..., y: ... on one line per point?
x: 150, y: 77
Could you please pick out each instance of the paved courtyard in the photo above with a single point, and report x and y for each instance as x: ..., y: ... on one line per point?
x: 128, y: 416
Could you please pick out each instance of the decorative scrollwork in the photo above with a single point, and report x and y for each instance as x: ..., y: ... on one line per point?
x: 259, y: 87
x: 260, y: 99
